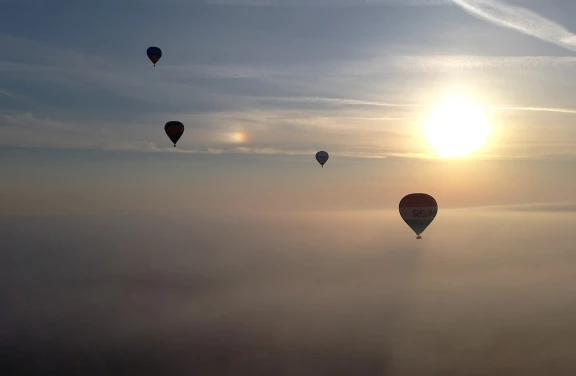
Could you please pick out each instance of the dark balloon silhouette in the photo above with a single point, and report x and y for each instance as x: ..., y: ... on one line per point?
x: 154, y: 54
x: 322, y: 157
x: 174, y: 130
x: 418, y: 210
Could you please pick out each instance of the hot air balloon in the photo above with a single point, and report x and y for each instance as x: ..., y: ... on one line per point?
x: 154, y: 54
x: 174, y: 130
x: 418, y: 210
x: 322, y: 157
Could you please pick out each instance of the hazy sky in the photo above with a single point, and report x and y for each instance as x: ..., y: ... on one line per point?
x: 235, y: 251
x: 82, y: 108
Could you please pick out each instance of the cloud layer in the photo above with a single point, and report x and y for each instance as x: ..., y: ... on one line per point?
x: 300, y: 294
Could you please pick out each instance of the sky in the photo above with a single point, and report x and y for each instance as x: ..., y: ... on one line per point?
x: 235, y: 251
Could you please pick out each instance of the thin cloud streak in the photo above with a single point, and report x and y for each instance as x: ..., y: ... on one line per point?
x: 520, y: 19
x: 375, y: 66
x: 348, y: 101
x: 536, y: 109
x: 449, y: 63
x: 345, y: 101
x: 552, y: 207
x: 150, y: 147
x: 8, y: 94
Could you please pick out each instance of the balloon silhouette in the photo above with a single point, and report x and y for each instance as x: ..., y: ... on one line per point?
x: 174, y: 130
x: 154, y: 54
x: 418, y: 210
x: 322, y: 157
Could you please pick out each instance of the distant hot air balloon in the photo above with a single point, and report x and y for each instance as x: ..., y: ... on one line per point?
x: 418, y: 210
x: 322, y: 157
x: 174, y: 130
x: 154, y: 54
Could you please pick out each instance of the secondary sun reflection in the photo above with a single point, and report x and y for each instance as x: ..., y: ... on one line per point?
x: 457, y: 128
x: 237, y: 137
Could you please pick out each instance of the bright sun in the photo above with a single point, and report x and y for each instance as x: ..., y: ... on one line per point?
x: 457, y: 128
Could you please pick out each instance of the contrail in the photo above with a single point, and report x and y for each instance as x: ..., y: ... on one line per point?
x: 520, y: 19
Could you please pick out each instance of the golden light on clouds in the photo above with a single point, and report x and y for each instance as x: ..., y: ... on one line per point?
x: 457, y: 127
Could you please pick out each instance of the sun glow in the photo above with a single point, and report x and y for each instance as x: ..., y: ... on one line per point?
x: 457, y: 128
x: 237, y: 137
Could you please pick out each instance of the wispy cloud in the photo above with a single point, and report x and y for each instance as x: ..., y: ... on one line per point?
x: 344, y: 101
x: 357, y: 102
x: 174, y: 88
x: 8, y: 94
x: 29, y: 121
x: 151, y: 147
x: 60, y: 66
x: 278, y: 137
x: 380, y: 65
x: 552, y: 207
x: 536, y: 109
x: 451, y: 63
x: 261, y: 134
x: 521, y: 19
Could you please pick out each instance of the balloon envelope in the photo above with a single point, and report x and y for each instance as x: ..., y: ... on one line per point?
x: 322, y: 157
x: 418, y: 210
x: 154, y: 54
x: 174, y: 130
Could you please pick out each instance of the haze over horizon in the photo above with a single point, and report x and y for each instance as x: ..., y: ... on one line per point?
x: 234, y: 252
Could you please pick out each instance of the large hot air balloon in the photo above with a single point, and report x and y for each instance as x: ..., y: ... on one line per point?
x: 174, y: 130
x: 322, y: 157
x: 154, y: 54
x: 418, y: 210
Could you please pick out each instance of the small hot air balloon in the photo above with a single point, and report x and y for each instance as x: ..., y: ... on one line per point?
x: 418, y: 210
x: 174, y: 130
x: 322, y: 157
x: 154, y: 54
